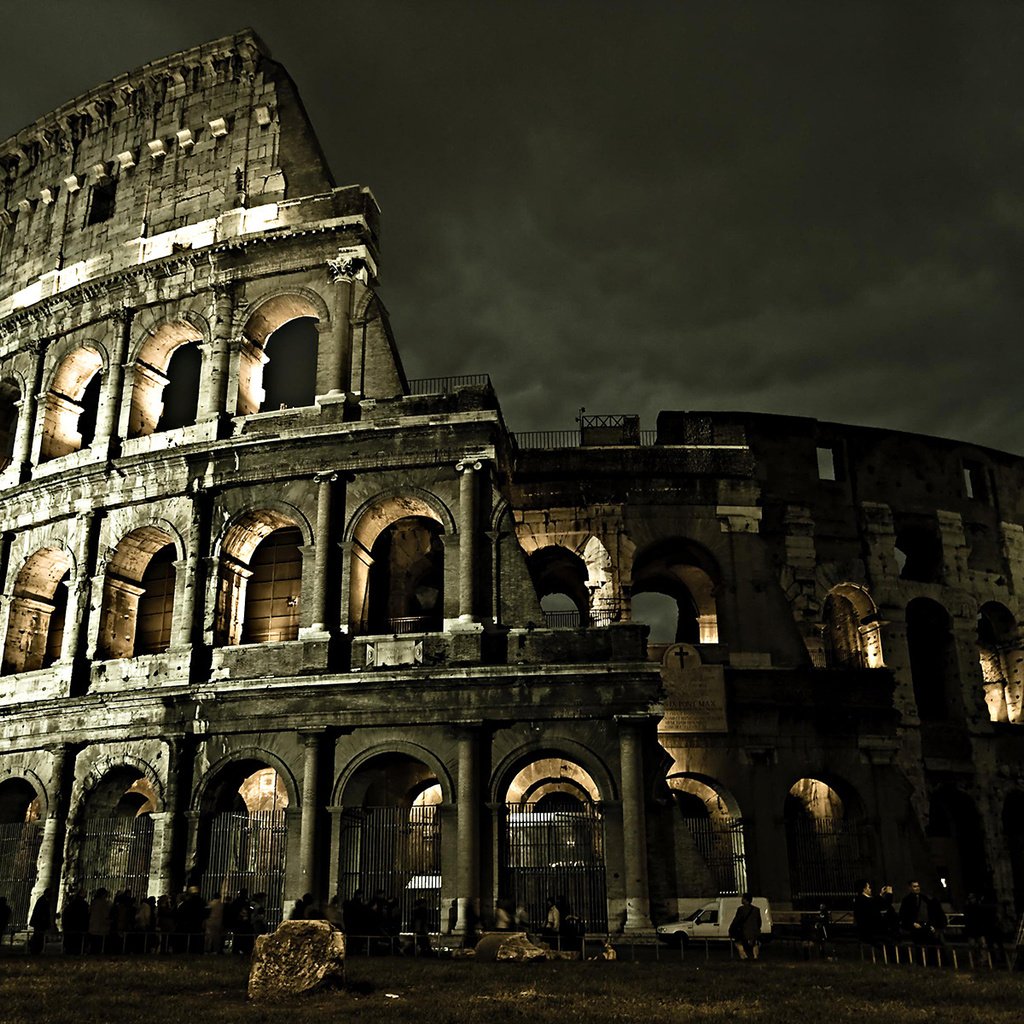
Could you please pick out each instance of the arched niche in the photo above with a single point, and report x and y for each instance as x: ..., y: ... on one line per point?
x: 138, y: 594
x: 560, y: 578
x: 165, y: 379
x: 35, y: 627
x: 684, y: 572
x: 1000, y: 657
x: 280, y: 340
x: 10, y: 399
x: 933, y: 663
x: 71, y: 403
x: 851, y: 634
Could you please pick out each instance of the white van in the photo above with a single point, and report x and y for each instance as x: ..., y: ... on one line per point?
x: 711, y: 921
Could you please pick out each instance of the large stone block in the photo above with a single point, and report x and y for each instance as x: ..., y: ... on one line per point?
x: 298, y: 957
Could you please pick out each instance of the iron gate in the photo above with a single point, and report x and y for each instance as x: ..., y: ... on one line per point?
x: 397, y: 851
x: 826, y: 855
x: 556, y: 853
x: 247, y: 851
x: 19, y: 851
x: 720, y: 843
x: 116, y: 854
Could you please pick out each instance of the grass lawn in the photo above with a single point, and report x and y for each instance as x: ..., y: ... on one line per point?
x: 196, y: 990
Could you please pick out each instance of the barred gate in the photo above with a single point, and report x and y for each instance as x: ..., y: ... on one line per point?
x: 19, y: 851
x: 720, y: 843
x: 826, y: 856
x: 116, y: 854
x: 247, y: 851
x: 555, y: 853
x: 396, y: 850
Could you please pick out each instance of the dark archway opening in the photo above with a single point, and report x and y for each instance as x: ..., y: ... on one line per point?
x: 407, y: 578
x: 181, y: 394
x: 289, y: 378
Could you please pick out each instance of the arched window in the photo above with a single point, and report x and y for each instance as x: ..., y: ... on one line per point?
x: 684, y: 573
x: 407, y: 577
x: 850, y: 629
x: 35, y: 630
x: 560, y: 578
x: 273, y: 591
x: 278, y: 358
x: 138, y: 595
x: 9, y: 397
x: 71, y: 405
x: 166, y: 375
x: 932, y: 652
x: 998, y: 651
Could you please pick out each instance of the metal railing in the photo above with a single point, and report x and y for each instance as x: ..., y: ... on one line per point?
x: 548, y: 439
x: 446, y: 385
x: 562, y: 620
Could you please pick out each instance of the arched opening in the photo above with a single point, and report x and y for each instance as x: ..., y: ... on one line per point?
x: 829, y: 847
x: 999, y: 653
x: 71, y: 405
x: 278, y: 358
x: 116, y: 833
x: 243, y: 835
x: 660, y: 613
x: 956, y: 841
x: 138, y: 595
x: 1013, y: 830
x: 35, y: 626
x: 709, y: 836
x: 932, y: 651
x: 167, y: 372
x: 10, y: 395
x: 553, y: 843
x: 390, y: 845
x: 850, y: 629
x: 406, y: 578
x: 560, y: 578
x: 260, y: 582
x: 684, y: 573
x: 21, y: 832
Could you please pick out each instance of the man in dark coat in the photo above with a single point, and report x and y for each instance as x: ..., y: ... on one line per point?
x: 745, y: 930
x: 867, y: 915
x: 74, y: 920
x: 40, y: 921
x: 922, y: 917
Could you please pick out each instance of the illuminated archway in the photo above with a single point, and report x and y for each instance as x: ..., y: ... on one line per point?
x: 999, y: 653
x: 165, y: 387
x: 71, y: 404
x: 850, y: 628
x: 715, y: 829
x: 390, y: 844
x: 684, y: 572
x: 35, y: 629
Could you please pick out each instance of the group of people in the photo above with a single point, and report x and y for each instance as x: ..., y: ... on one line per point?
x: 920, y: 918
x: 122, y: 924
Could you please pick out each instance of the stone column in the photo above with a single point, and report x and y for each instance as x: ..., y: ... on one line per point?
x: 334, y: 355
x: 217, y: 356
x: 79, y: 588
x: 167, y: 867
x: 467, y: 869
x: 495, y: 537
x: 467, y: 538
x: 307, y: 826
x: 321, y: 551
x: 110, y: 400
x: 634, y: 826
x: 26, y: 419
x: 50, y: 862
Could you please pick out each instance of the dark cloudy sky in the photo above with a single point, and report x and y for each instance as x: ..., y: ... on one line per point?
x: 803, y: 207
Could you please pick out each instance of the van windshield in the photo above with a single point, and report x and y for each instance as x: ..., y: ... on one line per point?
x: 696, y: 914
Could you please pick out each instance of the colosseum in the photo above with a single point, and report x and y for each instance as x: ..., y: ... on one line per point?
x: 276, y: 617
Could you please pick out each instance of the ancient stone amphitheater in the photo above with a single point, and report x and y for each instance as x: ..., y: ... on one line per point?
x: 276, y: 617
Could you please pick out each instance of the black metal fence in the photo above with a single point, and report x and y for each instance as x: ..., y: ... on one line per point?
x: 446, y: 385
x: 720, y: 842
x: 397, y: 851
x: 826, y: 855
x: 19, y: 850
x: 556, y: 853
x: 247, y: 851
x: 116, y: 854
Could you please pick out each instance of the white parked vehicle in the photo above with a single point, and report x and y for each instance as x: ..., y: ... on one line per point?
x: 711, y: 922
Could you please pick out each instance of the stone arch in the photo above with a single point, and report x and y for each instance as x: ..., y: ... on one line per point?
x: 33, y: 789
x: 35, y: 625
x: 264, y: 540
x: 202, y: 796
x: 829, y: 842
x: 1000, y: 657
x: 263, y: 317
x: 405, y: 748
x: 11, y: 391
x: 555, y: 747
x: 709, y: 834
x: 396, y: 564
x: 23, y: 810
x: 559, y: 573
x: 138, y: 591
x: 151, y: 371
x: 851, y: 628
x: 70, y: 400
x: 687, y: 573
x: 933, y: 661
x: 107, y: 764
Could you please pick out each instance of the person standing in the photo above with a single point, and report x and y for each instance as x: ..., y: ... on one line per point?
x: 867, y: 915
x: 40, y: 921
x: 745, y: 930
